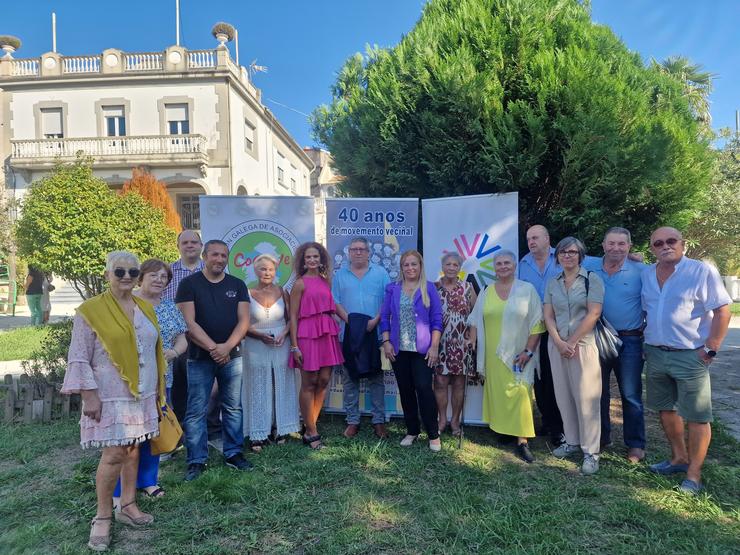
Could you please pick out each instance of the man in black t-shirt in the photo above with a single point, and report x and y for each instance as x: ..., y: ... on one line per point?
x: 215, y: 308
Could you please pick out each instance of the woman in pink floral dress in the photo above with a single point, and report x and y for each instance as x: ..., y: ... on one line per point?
x: 117, y: 365
x: 455, y: 360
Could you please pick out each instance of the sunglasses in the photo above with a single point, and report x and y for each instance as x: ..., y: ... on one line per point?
x: 671, y: 241
x: 132, y: 272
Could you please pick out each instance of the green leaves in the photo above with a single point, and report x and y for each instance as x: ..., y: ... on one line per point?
x: 520, y: 95
x: 71, y: 220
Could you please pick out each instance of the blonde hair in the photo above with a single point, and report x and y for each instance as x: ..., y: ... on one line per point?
x: 422, y: 274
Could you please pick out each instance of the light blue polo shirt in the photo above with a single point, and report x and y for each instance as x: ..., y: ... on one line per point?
x: 529, y: 271
x: 622, y: 290
x: 363, y: 296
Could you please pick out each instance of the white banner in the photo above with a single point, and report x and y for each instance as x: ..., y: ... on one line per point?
x: 251, y: 226
x: 475, y: 227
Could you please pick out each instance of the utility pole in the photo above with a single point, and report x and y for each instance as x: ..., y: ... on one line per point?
x: 53, y: 32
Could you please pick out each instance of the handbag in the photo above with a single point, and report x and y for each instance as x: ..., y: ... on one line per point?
x: 170, y: 432
x: 607, y: 338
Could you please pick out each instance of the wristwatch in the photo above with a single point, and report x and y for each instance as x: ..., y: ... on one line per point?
x: 709, y: 352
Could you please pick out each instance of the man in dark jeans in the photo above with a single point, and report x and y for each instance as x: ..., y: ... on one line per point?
x: 538, y: 267
x: 216, y: 310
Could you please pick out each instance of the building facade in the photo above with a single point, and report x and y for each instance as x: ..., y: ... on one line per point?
x: 325, y: 181
x: 193, y: 118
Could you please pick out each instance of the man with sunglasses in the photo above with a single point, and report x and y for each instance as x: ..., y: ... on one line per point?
x: 216, y: 310
x: 688, y: 312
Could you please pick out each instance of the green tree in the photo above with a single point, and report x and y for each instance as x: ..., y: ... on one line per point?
x: 697, y: 84
x: 715, y: 230
x: 71, y: 219
x: 493, y: 96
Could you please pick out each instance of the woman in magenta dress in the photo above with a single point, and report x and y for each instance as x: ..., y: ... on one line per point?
x: 314, y: 347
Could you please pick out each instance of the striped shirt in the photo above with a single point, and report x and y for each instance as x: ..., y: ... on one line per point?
x: 179, y: 272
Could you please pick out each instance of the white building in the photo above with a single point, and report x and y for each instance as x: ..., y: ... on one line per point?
x: 325, y: 183
x: 192, y: 117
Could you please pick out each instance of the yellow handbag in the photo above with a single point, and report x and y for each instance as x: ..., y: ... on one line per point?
x: 170, y: 432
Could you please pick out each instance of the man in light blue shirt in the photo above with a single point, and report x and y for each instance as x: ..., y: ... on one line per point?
x: 359, y: 289
x: 538, y: 267
x: 623, y: 309
x: 687, y: 311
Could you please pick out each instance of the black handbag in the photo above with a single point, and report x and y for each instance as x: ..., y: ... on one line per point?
x: 607, y: 338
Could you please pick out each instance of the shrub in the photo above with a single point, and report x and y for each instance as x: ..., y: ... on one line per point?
x: 223, y: 28
x: 10, y: 40
x: 47, y: 364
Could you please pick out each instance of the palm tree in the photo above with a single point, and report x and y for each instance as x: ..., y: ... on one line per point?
x: 697, y: 84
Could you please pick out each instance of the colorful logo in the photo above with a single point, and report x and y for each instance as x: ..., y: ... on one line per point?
x: 248, y: 240
x: 477, y: 255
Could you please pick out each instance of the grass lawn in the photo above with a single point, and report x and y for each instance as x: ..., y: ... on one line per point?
x: 365, y: 496
x: 19, y: 343
x: 735, y: 309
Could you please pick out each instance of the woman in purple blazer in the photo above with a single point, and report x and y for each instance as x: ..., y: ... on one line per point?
x: 411, y: 324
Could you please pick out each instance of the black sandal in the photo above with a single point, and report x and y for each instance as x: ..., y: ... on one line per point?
x: 313, y: 439
x: 157, y: 492
x: 256, y: 446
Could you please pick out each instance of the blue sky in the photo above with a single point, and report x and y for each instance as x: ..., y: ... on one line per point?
x: 304, y: 43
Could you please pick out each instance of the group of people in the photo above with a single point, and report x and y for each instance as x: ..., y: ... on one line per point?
x: 162, y: 335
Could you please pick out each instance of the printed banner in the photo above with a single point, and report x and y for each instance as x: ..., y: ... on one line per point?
x: 389, y: 224
x: 475, y: 227
x: 251, y: 226
x: 391, y: 227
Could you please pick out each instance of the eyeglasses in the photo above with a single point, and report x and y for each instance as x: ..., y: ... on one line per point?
x: 671, y: 241
x: 569, y: 253
x: 358, y: 250
x: 132, y: 272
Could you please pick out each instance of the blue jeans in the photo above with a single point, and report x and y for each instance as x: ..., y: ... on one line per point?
x: 351, y: 397
x: 628, y: 369
x: 201, y: 374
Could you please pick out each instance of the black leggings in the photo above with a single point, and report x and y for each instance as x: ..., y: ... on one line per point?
x: 414, y: 380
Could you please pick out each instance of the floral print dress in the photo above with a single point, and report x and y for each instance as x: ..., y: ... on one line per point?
x: 454, y: 358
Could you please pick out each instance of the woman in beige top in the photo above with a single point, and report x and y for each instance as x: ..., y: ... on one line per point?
x: 572, y: 306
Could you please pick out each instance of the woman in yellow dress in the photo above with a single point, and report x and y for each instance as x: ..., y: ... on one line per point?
x: 506, y: 324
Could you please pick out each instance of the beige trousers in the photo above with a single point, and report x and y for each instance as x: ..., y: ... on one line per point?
x: 577, y: 383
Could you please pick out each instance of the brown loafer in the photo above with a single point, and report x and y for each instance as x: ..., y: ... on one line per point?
x: 635, y: 455
x: 351, y: 430
x: 380, y: 431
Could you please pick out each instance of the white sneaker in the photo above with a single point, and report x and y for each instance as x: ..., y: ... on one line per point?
x: 408, y: 440
x: 565, y: 450
x: 436, y: 447
x: 590, y: 464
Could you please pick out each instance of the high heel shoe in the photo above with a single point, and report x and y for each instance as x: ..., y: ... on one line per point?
x: 99, y: 543
x: 134, y: 522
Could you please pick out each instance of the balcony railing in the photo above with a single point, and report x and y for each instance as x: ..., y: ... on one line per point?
x: 101, y: 148
x: 147, y: 61
x: 81, y: 64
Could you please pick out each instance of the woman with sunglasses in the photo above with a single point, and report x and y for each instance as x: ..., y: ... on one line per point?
x: 117, y: 365
x: 411, y: 326
x: 153, y: 279
x: 572, y: 305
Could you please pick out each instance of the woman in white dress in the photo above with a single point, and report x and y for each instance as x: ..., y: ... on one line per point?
x: 269, y: 387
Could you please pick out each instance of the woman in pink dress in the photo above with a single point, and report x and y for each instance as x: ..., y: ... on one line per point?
x: 314, y: 347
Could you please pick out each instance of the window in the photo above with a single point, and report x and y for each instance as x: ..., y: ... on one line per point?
x: 51, y: 123
x: 177, y: 119
x: 292, y: 184
x: 281, y: 170
x: 293, y: 171
x: 249, y: 131
x: 189, y: 211
x: 115, y: 121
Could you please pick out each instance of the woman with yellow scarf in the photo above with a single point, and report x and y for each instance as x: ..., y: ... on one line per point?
x: 116, y: 364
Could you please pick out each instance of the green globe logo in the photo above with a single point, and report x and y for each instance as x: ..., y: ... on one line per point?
x: 249, y: 246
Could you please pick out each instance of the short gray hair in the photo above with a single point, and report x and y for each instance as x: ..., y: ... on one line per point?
x: 621, y: 231
x: 504, y: 252
x: 265, y: 256
x: 446, y: 256
x: 361, y: 240
x: 119, y: 256
x: 569, y: 242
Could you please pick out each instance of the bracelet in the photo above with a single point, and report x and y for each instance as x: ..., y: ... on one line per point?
x: 385, y: 341
x: 295, y: 350
x: 529, y: 353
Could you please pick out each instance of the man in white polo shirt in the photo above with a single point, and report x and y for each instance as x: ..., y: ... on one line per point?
x: 688, y: 312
